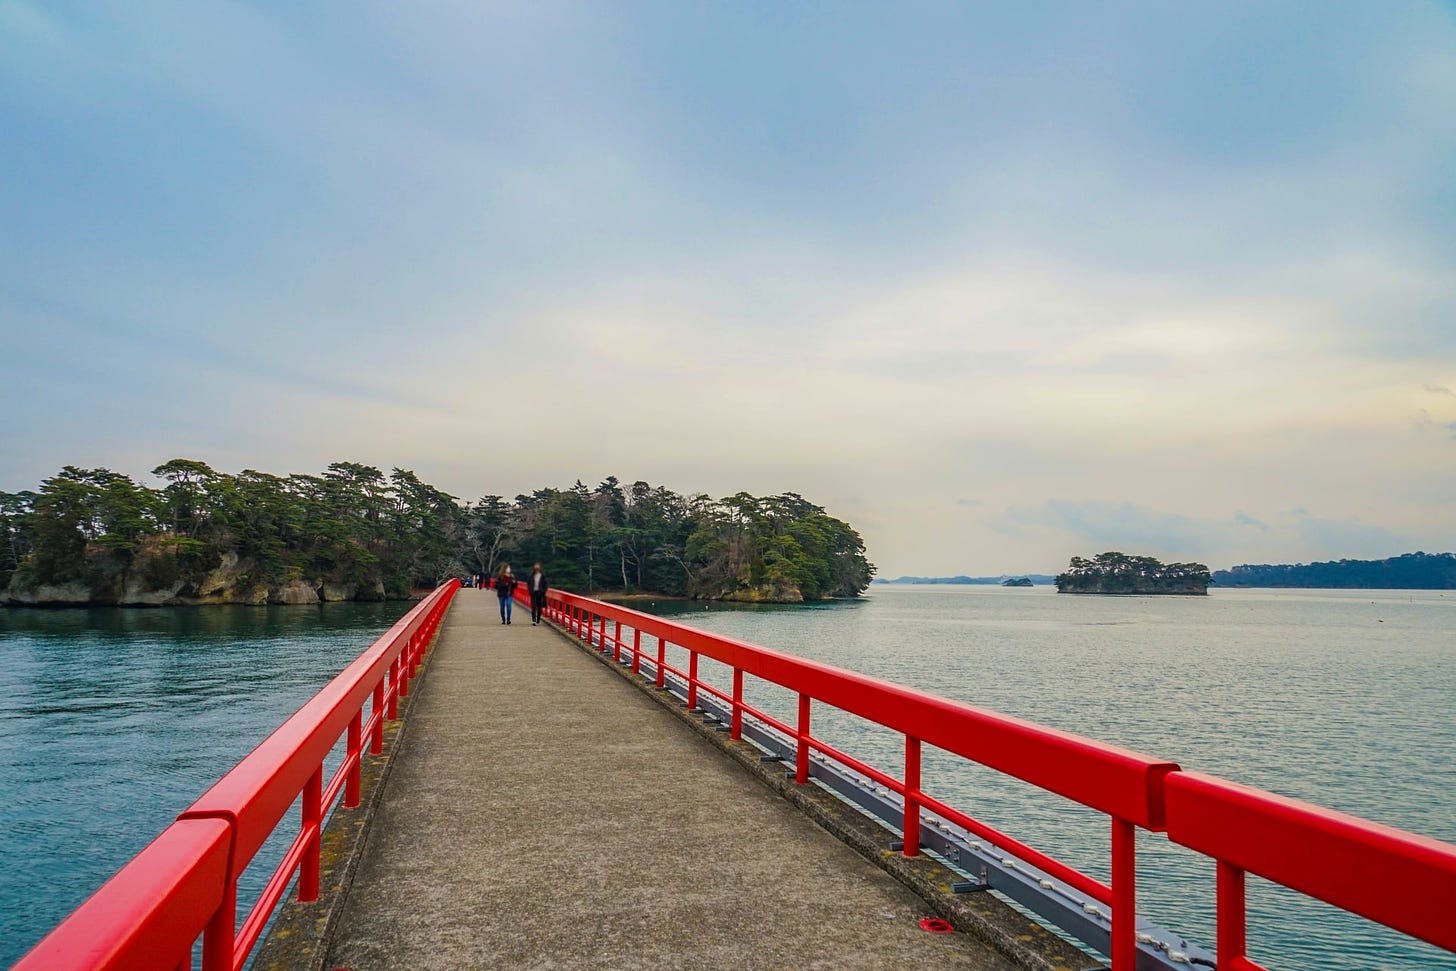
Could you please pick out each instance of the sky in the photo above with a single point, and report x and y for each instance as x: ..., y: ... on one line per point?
x: 998, y: 284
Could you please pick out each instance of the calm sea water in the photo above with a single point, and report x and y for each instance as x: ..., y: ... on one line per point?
x: 1343, y: 698
x: 116, y: 719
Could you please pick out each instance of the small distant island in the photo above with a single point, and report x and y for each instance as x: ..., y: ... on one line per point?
x: 1411, y: 571
x: 1017, y: 582
x: 1119, y: 573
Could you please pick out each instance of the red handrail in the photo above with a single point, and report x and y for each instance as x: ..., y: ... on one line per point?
x: 155, y: 905
x: 1125, y: 785
x: 185, y: 884
x: 1392, y: 877
x: 1403, y: 881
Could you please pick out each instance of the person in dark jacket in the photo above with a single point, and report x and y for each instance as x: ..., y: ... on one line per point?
x: 505, y: 585
x: 537, y: 586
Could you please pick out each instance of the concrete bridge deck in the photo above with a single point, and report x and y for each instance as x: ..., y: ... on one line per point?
x: 543, y: 813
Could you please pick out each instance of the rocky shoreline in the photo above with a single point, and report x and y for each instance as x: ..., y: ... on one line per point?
x: 231, y: 582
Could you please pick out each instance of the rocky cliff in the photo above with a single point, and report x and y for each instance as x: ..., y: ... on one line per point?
x: 147, y: 583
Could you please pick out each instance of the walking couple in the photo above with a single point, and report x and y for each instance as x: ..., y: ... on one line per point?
x: 536, y: 586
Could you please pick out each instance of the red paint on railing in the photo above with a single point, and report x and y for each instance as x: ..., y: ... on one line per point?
x: 184, y: 884
x: 1395, y: 878
x: 1125, y: 785
x: 1404, y: 881
x: 150, y: 912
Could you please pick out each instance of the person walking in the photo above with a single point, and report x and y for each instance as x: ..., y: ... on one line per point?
x: 505, y: 585
x: 537, y: 586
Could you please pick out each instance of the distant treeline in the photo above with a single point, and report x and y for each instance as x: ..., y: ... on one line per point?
x: 353, y: 532
x: 1412, y: 571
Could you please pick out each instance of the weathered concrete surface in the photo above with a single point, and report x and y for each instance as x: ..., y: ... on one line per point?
x: 542, y: 813
x: 1025, y: 942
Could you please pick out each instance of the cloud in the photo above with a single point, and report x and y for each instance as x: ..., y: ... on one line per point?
x: 898, y: 261
x: 1096, y: 526
x: 1124, y: 525
x: 1355, y: 540
x: 1244, y: 519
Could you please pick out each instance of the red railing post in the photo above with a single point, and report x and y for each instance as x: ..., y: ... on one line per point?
x: 602, y: 633
x: 736, y: 731
x: 393, y: 714
x: 636, y: 651
x: 1231, y: 915
x: 1124, y: 895
x: 219, y: 938
x: 617, y: 641
x: 801, y: 747
x: 912, y: 796
x: 376, y: 737
x: 692, y: 679
x: 401, y: 680
x: 355, y: 751
x: 661, y: 662
x: 313, y: 815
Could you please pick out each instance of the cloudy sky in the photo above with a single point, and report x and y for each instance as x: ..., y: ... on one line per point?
x: 996, y: 285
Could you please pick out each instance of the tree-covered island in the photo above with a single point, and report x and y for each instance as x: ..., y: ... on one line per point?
x: 94, y: 536
x: 1118, y: 573
x: 1410, y: 571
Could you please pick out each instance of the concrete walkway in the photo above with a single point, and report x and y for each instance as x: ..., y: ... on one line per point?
x: 543, y: 813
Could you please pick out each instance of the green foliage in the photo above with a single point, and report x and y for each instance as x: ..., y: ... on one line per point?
x: 352, y: 526
x: 381, y: 535
x: 1115, y: 572
x: 1412, y: 571
x: 646, y: 538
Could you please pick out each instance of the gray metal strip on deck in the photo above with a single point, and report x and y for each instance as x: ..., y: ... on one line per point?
x: 541, y: 813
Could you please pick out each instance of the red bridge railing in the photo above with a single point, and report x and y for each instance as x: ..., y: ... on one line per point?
x: 184, y: 884
x: 1394, y: 878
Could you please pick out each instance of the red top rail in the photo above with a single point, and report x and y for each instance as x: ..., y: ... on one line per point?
x: 185, y: 883
x: 1387, y: 875
x: 157, y: 904
x: 1398, y: 879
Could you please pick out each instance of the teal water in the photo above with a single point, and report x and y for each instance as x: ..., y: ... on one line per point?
x: 116, y: 719
x: 1342, y: 698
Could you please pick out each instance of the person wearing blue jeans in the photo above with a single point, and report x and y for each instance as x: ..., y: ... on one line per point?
x: 505, y: 585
